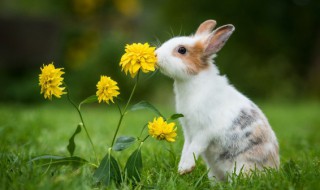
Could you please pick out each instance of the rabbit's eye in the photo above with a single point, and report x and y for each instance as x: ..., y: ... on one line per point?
x: 182, y: 50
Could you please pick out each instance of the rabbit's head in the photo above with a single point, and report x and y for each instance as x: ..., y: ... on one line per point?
x: 182, y: 57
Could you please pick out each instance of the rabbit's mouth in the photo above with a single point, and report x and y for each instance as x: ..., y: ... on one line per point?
x: 159, y: 60
x: 160, y: 65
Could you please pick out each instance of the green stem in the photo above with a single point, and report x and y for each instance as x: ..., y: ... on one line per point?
x: 143, y: 129
x: 118, y: 127
x: 124, y: 111
x: 120, y: 111
x: 82, y: 121
x: 145, y: 138
x: 131, y: 95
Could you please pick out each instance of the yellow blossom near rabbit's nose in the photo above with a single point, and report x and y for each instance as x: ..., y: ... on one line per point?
x: 161, y: 130
x: 107, y: 89
x: 50, y: 81
x: 138, y: 56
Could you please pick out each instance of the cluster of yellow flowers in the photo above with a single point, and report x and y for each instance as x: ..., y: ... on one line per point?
x: 137, y: 57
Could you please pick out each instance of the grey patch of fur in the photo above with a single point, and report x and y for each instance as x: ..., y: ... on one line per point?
x: 245, y: 118
x: 245, y: 123
x: 234, y: 137
x: 231, y: 155
x: 247, y: 134
x: 226, y: 155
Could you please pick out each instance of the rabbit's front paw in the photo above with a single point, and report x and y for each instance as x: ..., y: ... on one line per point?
x: 186, y: 166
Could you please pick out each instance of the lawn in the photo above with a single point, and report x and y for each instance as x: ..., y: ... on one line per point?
x: 30, y: 130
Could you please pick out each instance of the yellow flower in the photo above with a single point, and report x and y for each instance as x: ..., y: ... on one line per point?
x: 162, y: 130
x: 50, y: 81
x: 138, y: 56
x: 107, y: 89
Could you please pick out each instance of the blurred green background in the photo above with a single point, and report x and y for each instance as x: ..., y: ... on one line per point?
x: 273, y: 54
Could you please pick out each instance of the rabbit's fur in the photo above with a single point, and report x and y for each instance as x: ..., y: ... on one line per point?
x: 222, y: 125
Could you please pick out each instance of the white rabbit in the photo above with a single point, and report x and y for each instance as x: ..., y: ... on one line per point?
x: 222, y: 125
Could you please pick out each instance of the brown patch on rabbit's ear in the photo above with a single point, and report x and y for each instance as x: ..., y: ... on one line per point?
x: 206, y: 27
x: 193, y: 57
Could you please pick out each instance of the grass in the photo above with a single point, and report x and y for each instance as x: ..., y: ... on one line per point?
x: 28, y: 131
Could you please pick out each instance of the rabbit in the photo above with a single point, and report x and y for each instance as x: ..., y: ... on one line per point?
x: 220, y: 124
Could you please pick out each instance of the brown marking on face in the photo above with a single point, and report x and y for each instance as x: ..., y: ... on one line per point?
x: 193, y: 58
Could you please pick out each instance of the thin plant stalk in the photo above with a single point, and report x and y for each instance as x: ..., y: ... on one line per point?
x: 124, y: 111
x: 145, y: 138
x: 144, y: 127
x: 83, y: 124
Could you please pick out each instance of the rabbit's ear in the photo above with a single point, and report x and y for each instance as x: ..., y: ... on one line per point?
x: 217, y: 39
x: 206, y: 27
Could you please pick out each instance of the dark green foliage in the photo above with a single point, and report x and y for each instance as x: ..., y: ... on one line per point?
x: 72, y: 145
x: 146, y: 105
x: 123, y: 142
x: 53, y: 160
x: 175, y: 116
x: 134, y: 166
x: 272, y: 53
x: 108, y: 171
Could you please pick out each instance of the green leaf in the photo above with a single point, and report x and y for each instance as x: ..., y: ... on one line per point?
x: 146, y: 105
x: 88, y: 100
x: 107, y: 171
x: 176, y: 116
x: 123, y: 142
x: 53, y: 160
x: 72, y: 145
x: 134, y: 165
